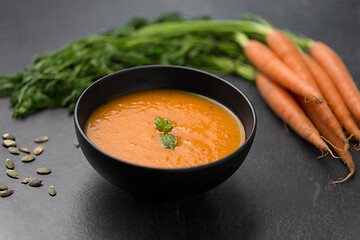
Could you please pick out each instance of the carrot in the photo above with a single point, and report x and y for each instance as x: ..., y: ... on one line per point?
x: 332, y: 97
x: 284, y: 105
x: 339, y: 74
x: 287, y: 51
x: 270, y: 65
x: 337, y: 143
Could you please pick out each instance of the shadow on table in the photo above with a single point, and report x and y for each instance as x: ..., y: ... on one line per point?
x: 104, y: 211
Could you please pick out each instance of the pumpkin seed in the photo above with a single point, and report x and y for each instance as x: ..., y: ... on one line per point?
x: 52, y: 191
x: 3, y: 187
x: 24, y: 149
x: 6, y: 193
x: 12, y: 173
x: 35, y: 182
x: 27, y: 180
x: 41, y: 139
x: 14, y: 150
x: 43, y: 170
x: 76, y: 143
x: 28, y: 158
x: 9, y: 163
x: 8, y: 136
x: 38, y: 150
x: 9, y: 143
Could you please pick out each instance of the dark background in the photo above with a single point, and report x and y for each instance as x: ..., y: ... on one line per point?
x: 281, y: 191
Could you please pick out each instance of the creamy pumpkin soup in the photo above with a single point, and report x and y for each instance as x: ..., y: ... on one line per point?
x: 205, y: 130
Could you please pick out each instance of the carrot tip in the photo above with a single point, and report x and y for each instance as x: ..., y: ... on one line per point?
x: 351, y: 167
x: 343, y: 179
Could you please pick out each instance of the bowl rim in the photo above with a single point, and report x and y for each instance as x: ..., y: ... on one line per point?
x: 182, y: 169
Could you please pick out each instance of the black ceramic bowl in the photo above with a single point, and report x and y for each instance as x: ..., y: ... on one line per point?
x: 160, y: 183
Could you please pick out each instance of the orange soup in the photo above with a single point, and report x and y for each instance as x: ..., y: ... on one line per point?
x: 124, y: 127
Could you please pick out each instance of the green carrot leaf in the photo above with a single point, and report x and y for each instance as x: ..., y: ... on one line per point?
x: 57, y: 79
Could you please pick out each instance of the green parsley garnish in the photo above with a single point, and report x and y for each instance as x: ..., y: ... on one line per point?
x: 168, y: 140
x: 165, y: 126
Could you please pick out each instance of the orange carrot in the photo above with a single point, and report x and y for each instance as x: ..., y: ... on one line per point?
x: 332, y: 97
x: 336, y: 142
x: 339, y: 74
x: 284, y: 105
x: 270, y: 65
x: 287, y: 51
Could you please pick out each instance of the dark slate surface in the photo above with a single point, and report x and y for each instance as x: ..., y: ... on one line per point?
x: 281, y: 191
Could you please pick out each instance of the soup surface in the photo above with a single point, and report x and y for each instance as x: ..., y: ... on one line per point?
x: 124, y: 127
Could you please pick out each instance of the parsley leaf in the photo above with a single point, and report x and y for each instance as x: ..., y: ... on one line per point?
x: 168, y: 140
x: 163, y: 125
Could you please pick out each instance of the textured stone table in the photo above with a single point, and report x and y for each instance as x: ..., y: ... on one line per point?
x: 281, y: 191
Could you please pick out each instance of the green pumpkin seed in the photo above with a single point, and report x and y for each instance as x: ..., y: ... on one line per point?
x: 9, y: 143
x: 3, y: 187
x: 43, y: 170
x: 41, y: 139
x: 6, y: 193
x: 76, y: 143
x: 24, y: 149
x: 8, y: 136
x: 35, y: 182
x: 14, y: 150
x: 52, y: 191
x: 28, y: 158
x: 9, y: 163
x: 38, y: 150
x: 12, y: 173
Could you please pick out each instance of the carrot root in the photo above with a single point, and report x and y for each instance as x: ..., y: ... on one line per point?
x: 324, y: 154
x: 340, y: 180
x: 333, y: 145
x: 332, y: 154
x: 357, y: 147
x: 349, y: 137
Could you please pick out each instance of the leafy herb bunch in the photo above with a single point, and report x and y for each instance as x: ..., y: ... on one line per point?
x: 58, y: 78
